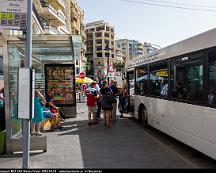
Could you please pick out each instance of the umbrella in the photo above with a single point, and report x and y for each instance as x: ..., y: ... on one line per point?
x: 85, y: 80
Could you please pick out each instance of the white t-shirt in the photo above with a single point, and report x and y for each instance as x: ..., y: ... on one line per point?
x: 164, y: 90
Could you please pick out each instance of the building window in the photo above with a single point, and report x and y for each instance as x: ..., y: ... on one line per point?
x: 107, y: 55
x: 99, y: 55
x: 107, y: 28
x: 100, y: 28
x: 99, y: 41
x: 106, y: 35
x: 106, y: 42
x: 92, y: 30
x: 77, y: 70
x: 99, y: 48
x: 89, y: 49
x: 98, y: 34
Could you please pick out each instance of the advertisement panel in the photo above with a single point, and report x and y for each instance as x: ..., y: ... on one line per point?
x: 59, y: 83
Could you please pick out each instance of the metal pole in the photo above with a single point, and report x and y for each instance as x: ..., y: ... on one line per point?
x: 28, y: 64
x: 108, y: 70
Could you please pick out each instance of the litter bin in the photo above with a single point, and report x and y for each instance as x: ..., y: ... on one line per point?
x: 2, y: 142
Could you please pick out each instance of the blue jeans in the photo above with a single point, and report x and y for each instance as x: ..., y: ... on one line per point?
x: 98, y: 108
x: 122, y: 104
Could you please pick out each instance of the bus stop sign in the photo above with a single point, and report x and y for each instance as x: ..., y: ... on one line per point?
x: 13, y: 14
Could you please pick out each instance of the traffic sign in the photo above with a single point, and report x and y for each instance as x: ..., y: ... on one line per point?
x: 13, y: 14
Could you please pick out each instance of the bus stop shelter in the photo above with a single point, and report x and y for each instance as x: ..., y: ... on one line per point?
x: 53, y: 61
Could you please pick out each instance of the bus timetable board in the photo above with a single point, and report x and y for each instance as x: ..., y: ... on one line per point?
x: 59, y: 80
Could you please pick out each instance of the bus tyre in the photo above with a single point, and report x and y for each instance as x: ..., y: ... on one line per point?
x: 144, y: 117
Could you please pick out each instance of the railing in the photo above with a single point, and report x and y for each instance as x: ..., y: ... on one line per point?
x: 37, y: 16
x: 54, y: 11
x: 61, y: 16
x: 50, y: 7
x: 51, y: 28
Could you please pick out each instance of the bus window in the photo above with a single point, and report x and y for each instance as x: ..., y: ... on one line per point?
x: 142, y: 81
x: 212, y: 79
x: 131, y: 83
x: 159, y: 79
x: 187, y: 78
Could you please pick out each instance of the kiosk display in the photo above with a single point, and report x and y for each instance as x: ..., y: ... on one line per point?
x: 59, y: 82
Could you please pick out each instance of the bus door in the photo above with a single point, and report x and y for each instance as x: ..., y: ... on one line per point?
x: 130, y: 86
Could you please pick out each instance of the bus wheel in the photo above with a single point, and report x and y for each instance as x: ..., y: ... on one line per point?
x: 144, y: 117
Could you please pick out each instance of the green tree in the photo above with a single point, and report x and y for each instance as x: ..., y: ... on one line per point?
x: 119, y: 66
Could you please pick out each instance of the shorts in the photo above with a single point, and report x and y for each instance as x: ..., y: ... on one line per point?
x: 92, y: 108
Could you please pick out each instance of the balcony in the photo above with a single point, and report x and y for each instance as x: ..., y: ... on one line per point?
x: 50, y: 30
x: 38, y: 18
x: 139, y: 48
x: 75, y: 26
x: 58, y: 4
x: 64, y: 29
x: 38, y: 6
x: 74, y: 15
x: 50, y: 13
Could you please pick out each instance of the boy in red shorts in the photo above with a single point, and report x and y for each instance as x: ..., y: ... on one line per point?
x: 91, y: 94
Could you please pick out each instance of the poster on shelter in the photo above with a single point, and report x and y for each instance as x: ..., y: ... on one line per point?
x: 60, y: 83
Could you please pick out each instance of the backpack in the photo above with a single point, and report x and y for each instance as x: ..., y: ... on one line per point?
x: 106, y: 102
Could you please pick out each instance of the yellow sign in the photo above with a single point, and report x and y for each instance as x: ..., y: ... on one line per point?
x: 7, y: 15
x: 162, y: 74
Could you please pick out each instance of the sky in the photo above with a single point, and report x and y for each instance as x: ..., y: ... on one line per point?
x: 158, y: 25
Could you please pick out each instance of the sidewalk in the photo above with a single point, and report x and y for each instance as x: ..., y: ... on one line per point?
x: 124, y: 145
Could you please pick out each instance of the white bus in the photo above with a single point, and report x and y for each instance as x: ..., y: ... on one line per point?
x: 174, y: 91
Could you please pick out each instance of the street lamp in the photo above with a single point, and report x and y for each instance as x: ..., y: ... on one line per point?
x: 108, y: 48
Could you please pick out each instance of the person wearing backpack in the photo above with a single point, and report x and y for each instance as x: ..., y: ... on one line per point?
x: 115, y: 94
x: 106, y: 101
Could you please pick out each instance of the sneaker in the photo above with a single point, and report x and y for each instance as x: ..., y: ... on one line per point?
x: 99, y: 119
x: 33, y: 133
x: 121, y: 116
x: 56, y: 129
x: 60, y: 128
x: 39, y: 134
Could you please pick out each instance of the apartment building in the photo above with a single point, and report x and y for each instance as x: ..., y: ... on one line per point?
x: 59, y: 17
x: 100, y: 48
x: 77, y: 27
x: 130, y: 48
